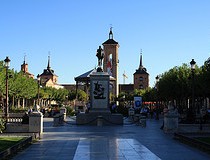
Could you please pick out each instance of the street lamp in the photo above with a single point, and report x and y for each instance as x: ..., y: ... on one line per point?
x: 7, y: 63
x: 38, y: 83
x: 192, y: 63
x: 157, y: 105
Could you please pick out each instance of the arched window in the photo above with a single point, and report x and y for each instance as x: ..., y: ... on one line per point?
x: 141, y: 78
x: 141, y: 86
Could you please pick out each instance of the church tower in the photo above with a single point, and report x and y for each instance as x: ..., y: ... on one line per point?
x: 24, y: 68
x: 111, y: 61
x: 141, y: 77
x: 48, y: 77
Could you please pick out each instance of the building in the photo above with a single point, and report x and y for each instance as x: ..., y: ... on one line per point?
x: 110, y: 63
x: 24, y: 69
x: 141, y: 77
x: 126, y: 88
x: 48, y: 78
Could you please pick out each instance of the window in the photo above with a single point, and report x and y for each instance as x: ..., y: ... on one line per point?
x: 141, y: 78
x: 141, y: 86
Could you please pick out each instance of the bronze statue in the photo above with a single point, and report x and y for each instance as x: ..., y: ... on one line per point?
x: 100, y: 55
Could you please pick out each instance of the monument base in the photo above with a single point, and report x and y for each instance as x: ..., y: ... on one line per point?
x: 99, y: 118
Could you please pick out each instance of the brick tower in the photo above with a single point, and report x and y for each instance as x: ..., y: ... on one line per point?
x: 141, y: 77
x: 111, y: 61
x: 24, y: 69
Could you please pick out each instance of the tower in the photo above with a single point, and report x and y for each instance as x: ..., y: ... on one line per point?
x: 141, y: 77
x: 111, y: 61
x: 48, y: 75
x: 24, y: 68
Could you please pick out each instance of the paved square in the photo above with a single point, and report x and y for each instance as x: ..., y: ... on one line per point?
x: 127, y: 142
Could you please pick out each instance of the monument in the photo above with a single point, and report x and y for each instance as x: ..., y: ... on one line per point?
x: 99, y: 113
x: 99, y: 86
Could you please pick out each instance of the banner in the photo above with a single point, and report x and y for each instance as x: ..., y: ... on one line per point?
x: 137, y: 102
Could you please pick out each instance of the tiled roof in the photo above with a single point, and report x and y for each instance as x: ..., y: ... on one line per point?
x: 141, y: 71
x: 110, y: 41
x: 47, y: 72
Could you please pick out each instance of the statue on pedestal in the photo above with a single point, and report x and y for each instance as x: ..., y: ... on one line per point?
x: 100, y: 55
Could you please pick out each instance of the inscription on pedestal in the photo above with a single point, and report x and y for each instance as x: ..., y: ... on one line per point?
x: 99, y: 91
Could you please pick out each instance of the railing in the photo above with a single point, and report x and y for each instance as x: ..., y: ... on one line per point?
x: 14, y: 117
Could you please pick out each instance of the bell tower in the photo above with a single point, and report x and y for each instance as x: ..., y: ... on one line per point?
x: 111, y: 61
x: 141, y: 77
x: 24, y: 66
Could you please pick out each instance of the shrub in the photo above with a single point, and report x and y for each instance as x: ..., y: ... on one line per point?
x: 2, y: 124
x: 69, y: 111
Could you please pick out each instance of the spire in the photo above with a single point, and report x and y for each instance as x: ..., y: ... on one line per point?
x: 48, y: 65
x: 24, y: 66
x: 141, y: 66
x: 110, y: 33
x: 24, y: 62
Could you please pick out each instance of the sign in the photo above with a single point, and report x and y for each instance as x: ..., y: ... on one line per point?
x: 137, y: 102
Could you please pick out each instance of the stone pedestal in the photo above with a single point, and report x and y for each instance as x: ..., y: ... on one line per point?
x: 99, y: 92
x: 99, y: 113
x: 36, y: 122
x: 170, y: 122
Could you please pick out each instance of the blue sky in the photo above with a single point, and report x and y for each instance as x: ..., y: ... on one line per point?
x: 169, y: 33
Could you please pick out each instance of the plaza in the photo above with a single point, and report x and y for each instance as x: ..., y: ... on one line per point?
x: 125, y: 142
x: 147, y: 90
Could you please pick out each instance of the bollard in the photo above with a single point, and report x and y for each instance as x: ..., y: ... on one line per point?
x: 137, y: 119
x: 99, y: 121
x: 143, y: 121
x: 56, y: 120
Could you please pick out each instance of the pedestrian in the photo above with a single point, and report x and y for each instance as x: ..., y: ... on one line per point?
x: 114, y: 108
x: 151, y: 113
x: 165, y: 111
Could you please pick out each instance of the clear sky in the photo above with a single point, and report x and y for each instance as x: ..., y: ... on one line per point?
x: 169, y: 33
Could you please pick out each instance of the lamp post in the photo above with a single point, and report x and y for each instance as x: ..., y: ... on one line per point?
x: 7, y: 63
x: 38, y: 83
x: 192, y: 63
x: 157, y: 105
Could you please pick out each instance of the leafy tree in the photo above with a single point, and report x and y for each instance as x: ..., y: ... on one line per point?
x: 72, y: 95
x: 174, y: 84
x: 204, y: 79
x: 81, y: 95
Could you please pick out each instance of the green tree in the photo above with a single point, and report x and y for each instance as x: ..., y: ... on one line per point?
x: 204, y: 79
x: 72, y: 95
x: 174, y: 84
x: 81, y: 95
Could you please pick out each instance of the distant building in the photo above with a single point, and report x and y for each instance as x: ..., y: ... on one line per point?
x: 141, y: 77
x: 73, y: 87
x: 48, y: 78
x: 24, y: 69
x: 126, y: 88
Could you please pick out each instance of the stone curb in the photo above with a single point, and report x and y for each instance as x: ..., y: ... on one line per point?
x: 15, y: 148
x: 193, y: 142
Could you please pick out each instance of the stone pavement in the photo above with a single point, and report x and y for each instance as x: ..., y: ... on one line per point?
x: 127, y: 142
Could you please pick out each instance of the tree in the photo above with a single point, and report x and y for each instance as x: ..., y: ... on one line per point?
x: 174, y: 84
x: 204, y: 79
x: 81, y: 95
